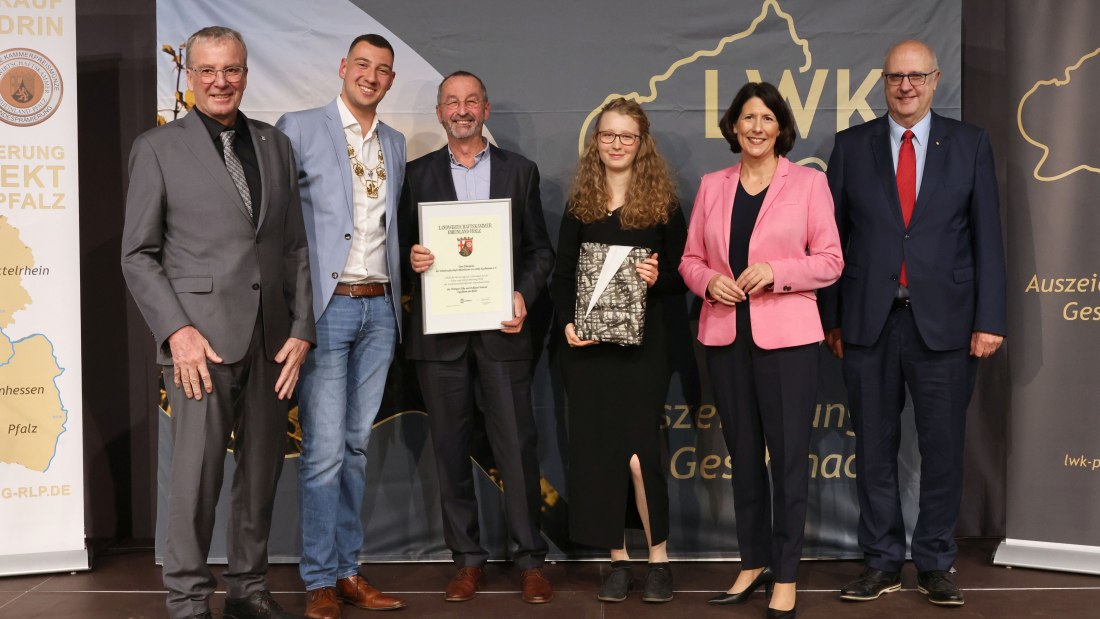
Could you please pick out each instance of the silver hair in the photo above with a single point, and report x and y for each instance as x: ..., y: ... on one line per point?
x: 215, y: 33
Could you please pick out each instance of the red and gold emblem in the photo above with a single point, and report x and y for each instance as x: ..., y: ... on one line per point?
x: 465, y: 246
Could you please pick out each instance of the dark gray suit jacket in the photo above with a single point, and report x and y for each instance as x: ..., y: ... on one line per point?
x: 190, y: 253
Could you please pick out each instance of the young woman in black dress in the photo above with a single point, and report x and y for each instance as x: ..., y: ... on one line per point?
x: 622, y: 195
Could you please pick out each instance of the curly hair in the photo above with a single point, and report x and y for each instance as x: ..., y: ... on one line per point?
x: 652, y: 193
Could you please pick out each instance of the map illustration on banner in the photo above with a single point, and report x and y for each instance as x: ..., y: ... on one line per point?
x: 711, y: 76
x: 32, y: 417
x: 1064, y: 151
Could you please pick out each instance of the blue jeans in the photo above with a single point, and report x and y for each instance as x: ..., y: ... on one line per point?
x: 340, y: 391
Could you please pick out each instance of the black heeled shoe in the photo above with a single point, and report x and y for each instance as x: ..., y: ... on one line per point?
x: 765, y: 578
x: 780, y: 614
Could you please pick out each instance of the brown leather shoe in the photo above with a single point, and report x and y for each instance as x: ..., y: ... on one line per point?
x: 465, y: 584
x: 321, y: 604
x: 355, y: 590
x: 536, y: 589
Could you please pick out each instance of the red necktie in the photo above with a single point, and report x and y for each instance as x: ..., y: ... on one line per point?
x: 907, y: 186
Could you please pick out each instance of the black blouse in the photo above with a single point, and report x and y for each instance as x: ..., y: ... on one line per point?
x: 667, y: 240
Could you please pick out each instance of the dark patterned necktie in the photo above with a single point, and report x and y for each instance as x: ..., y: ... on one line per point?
x: 236, y: 170
x: 907, y: 187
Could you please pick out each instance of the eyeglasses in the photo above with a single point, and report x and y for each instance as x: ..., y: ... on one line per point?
x: 452, y: 104
x: 207, y: 75
x: 916, y: 79
x: 608, y: 137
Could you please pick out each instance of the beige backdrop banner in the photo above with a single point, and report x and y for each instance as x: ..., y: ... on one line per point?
x: 41, y: 436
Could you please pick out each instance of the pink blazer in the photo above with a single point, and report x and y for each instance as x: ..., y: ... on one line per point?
x: 795, y: 234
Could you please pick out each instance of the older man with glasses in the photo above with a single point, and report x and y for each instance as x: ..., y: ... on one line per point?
x: 922, y: 299
x: 214, y: 253
x: 496, y: 363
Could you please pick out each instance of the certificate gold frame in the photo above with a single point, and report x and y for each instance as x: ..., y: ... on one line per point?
x: 469, y: 287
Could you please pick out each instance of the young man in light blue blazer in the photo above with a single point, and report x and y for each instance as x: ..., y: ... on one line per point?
x: 351, y: 167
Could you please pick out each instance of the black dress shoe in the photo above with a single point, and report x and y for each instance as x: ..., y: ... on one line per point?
x: 940, y: 588
x: 617, y: 584
x: 259, y: 605
x: 765, y: 578
x: 871, y: 584
x: 658, y: 583
x: 775, y: 613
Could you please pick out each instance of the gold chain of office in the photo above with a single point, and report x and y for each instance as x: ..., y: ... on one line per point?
x: 371, y: 177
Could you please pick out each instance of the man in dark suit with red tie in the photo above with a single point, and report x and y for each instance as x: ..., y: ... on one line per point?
x: 451, y: 366
x: 922, y: 298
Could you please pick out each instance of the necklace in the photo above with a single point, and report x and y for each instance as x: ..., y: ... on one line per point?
x: 373, y: 177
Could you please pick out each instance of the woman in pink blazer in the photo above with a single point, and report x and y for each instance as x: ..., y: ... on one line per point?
x: 762, y: 239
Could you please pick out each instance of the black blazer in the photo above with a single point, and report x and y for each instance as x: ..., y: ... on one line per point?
x: 952, y: 249
x: 428, y: 179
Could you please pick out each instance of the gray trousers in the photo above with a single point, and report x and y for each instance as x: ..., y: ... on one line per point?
x: 245, y: 405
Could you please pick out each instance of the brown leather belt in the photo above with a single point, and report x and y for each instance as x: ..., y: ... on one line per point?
x: 360, y: 290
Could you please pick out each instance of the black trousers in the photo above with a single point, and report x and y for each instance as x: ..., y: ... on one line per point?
x: 940, y: 383
x: 766, y: 400
x: 448, y: 388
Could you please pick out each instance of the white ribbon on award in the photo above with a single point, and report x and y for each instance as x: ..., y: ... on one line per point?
x: 615, y: 256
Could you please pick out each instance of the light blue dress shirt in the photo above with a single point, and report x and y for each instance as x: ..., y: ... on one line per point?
x: 471, y: 183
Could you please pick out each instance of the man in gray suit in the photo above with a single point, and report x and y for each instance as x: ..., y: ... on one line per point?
x: 214, y: 253
x: 351, y: 166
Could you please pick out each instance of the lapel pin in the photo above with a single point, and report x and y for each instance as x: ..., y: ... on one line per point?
x: 937, y: 142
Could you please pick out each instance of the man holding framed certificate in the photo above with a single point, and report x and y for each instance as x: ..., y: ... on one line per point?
x: 492, y: 206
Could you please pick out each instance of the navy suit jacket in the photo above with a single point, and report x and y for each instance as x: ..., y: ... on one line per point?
x: 952, y: 248
x: 428, y: 179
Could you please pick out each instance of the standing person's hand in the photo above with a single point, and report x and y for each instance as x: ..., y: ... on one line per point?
x: 725, y: 291
x: 421, y: 258
x: 832, y: 340
x: 756, y: 277
x: 572, y: 339
x: 648, y: 269
x: 519, y: 313
x: 190, y: 352
x: 291, y: 355
x: 984, y: 344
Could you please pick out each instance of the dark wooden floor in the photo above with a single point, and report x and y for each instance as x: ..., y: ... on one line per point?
x: 125, y: 583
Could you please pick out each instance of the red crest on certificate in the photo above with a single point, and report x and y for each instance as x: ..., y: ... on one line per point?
x: 465, y: 246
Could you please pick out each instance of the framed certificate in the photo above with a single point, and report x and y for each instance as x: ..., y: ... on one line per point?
x: 469, y: 286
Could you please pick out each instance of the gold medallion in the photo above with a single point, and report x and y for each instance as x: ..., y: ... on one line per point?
x: 372, y: 178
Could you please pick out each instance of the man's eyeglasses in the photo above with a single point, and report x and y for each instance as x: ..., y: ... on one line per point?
x: 207, y: 75
x: 916, y: 79
x: 452, y: 104
x: 626, y: 139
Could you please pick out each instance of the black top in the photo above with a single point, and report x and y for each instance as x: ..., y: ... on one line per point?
x: 746, y: 208
x: 667, y: 240
x: 246, y: 152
